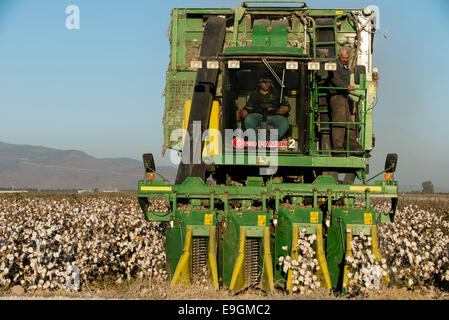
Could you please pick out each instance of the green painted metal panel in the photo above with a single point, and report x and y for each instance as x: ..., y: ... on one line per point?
x: 230, y: 246
x: 361, y: 220
x: 293, y: 160
x: 261, y: 50
x: 175, y: 237
x: 335, y: 253
x: 278, y: 35
x: 174, y: 240
x: 178, y: 89
x: 261, y: 35
x: 287, y: 217
x: 195, y: 189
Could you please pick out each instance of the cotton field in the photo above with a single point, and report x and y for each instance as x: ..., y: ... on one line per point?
x: 69, y: 242
x: 49, y: 242
x: 416, y: 246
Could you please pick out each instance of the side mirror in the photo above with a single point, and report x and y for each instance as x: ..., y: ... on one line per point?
x: 148, y: 162
x: 391, y: 162
x: 358, y: 71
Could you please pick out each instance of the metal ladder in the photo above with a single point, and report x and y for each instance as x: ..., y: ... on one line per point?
x: 325, y: 37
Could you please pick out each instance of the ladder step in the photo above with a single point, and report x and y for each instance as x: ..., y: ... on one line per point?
x: 325, y: 43
x: 325, y: 26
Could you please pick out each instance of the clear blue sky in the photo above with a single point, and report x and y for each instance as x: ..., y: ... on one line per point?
x: 99, y: 89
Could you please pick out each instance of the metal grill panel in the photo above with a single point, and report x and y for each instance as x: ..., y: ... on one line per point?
x: 199, y: 256
x: 251, y: 261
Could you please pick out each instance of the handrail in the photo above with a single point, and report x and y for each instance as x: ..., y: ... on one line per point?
x: 348, y: 124
x: 245, y: 4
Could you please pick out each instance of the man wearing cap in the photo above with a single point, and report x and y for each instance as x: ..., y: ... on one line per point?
x: 264, y: 106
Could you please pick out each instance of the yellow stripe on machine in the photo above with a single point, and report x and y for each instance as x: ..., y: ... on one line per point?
x: 211, y: 145
x: 238, y: 274
x: 267, y: 273
x: 375, y: 249
x: 212, y: 258
x: 147, y: 188
x: 184, y: 267
x: 294, y: 256
x: 324, y: 270
x: 361, y: 188
x: 348, y: 253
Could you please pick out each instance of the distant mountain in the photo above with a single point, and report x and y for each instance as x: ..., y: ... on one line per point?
x: 26, y: 166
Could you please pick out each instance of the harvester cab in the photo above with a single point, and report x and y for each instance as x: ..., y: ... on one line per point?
x: 250, y: 207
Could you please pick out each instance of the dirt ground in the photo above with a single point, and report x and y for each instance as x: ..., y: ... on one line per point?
x: 145, y: 290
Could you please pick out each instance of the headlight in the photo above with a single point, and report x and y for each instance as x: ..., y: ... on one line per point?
x: 313, y: 66
x: 291, y: 65
x: 212, y: 64
x: 234, y: 64
x: 330, y: 66
x: 196, y: 64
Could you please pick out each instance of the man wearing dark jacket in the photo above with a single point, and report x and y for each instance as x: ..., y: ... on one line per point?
x: 264, y: 105
x: 340, y: 105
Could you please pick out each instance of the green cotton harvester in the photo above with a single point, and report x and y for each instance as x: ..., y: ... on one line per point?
x: 239, y: 205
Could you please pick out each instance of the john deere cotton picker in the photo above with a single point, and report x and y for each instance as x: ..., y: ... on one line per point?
x: 236, y: 207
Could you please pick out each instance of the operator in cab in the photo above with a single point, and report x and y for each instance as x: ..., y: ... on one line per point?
x: 264, y: 106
